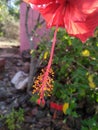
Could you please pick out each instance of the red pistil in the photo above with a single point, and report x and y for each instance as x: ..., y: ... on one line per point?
x: 48, y: 66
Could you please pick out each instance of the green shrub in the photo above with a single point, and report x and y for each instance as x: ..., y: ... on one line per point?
x: 14, y: 119
x: 76, y: 70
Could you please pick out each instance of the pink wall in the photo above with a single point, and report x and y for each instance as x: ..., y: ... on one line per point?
x: 42, y: 32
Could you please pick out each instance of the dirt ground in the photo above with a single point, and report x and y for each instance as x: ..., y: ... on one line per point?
x: 5, y: 42
x: 8, y: 47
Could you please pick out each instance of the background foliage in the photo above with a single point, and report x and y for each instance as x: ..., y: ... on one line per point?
x: 9, y: 21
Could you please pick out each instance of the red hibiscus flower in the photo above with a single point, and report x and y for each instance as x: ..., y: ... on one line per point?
x: 79, y: 17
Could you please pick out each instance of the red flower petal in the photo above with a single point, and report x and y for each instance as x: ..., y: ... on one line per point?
x: 79, y: 17
x: 39, y: 2
x: 87, y: 6
x: 56, y: 106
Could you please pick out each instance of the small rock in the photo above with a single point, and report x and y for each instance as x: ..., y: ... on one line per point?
x: 35, y: 111
x: 14, y: 104
x: 3, y: 94
x: 40, y: 114
x: 3, y: 108
x: 20, y: 80
x: 31, y: 120
x: 19, y: 64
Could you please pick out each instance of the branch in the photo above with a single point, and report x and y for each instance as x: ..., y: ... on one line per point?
x: 34, y: 61
x: 26, y: 21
